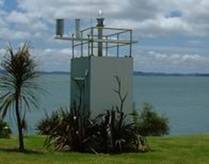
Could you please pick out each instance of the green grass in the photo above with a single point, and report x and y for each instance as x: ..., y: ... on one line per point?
x: 180, y: 150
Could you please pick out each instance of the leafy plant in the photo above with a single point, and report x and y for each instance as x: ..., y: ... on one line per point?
x: 150, y: 123
x: 107, y: 133
x: 119, y: 135
x: 47, y: 124
x: 5, y: 130
x: 73, y: 131
x: 18, y: 84
x: 110, y: 132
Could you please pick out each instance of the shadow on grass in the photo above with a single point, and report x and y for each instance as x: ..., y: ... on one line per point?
x: 15, y: 150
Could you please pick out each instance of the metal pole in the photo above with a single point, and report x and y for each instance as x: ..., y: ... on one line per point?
x: 81, y: 44
x: 88, y: 45
x: 73, y: 45
x: 106, y: 46
x: 100, y: 26
x: 130, y: 53
x: 77, y: 28
x: 117, y: 45
x: 100, y: 43
x: 92, y: 41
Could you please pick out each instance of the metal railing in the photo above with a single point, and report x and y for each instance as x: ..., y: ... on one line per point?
x: 111, y: 38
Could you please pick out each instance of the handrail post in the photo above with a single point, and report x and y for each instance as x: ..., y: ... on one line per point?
x: 88, y: 45
x: 73, y: 45
x: 81, y: 44
x: 92, y: 40
x: 117, y: 45
x: 131, y: 37
x: 106, y: 45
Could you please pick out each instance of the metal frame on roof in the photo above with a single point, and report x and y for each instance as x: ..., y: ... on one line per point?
x: 111, y: 38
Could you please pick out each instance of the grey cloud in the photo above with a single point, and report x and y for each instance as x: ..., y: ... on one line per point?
x: 149, y: 17
x: 52, y: 59
x: 169, y: 60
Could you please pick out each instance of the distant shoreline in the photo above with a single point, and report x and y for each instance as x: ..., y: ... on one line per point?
x: 168, y: 74
x: 136, y: 73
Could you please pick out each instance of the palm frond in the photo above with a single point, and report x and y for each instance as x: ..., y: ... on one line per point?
x: 7, y: 101
x: 20, y: 76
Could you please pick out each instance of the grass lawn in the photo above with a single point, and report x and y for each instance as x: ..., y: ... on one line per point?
x: 180, y: 150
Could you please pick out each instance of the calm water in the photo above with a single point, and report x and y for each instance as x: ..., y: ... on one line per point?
x: 184, y: 100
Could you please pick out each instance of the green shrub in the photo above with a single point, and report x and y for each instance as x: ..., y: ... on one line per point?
x: 117, y: 134
x: 47, y: 124
x: 71, y: 131
x: 107, y: 133
x: 5, y: 131
x: 150, y: 123
x: 111, y: 132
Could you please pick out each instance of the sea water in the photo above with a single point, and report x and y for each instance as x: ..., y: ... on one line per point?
x: 183, y: 99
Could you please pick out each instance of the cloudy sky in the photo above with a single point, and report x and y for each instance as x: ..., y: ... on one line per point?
x: 173, y: 35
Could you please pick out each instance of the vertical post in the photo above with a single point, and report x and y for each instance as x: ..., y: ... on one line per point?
x: 73, y: 45
x: 117, y: 45
x: 92, y: 41
x: 100, y: 26
x: 106, y: 46
x: 100, y: 43
x: 88, y: 45
x: 77, y: 28
x: 131, y: 37
x: 81, y: 44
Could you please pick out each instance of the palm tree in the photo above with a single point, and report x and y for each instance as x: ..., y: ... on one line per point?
x: 18, y: 84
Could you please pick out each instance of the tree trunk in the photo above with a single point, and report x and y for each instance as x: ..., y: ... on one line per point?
x: 19, y: 125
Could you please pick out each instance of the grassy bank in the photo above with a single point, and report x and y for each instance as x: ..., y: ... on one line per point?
x: 180, y: 150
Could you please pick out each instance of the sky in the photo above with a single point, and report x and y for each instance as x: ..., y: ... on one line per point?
x: 172, y: 35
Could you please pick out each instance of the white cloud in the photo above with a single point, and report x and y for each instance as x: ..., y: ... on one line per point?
x: 34, y: 20
x: 69, y: 8
x: 2, y: 18
x: 10, y: 34
x: 52, y: 59
x: 170, y: 61
x: 56, y: 59
x: 1, y: 2
x: 49, y: 59
x: 26, y: 21
x: 2, y: 53
x: 179, y: 59
x: 18, y: 17
x: 163, y: 26
x: 149, y: 16
x: 149, y: 60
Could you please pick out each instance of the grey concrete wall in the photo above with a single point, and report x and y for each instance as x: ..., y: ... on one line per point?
x: 103, y: 83
x: 80, y: 69
x: 100, y: 81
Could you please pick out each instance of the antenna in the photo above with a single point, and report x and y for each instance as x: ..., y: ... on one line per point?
x: 100, y: 26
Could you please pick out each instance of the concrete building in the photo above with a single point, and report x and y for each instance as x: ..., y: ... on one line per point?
x: 101, y: 78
